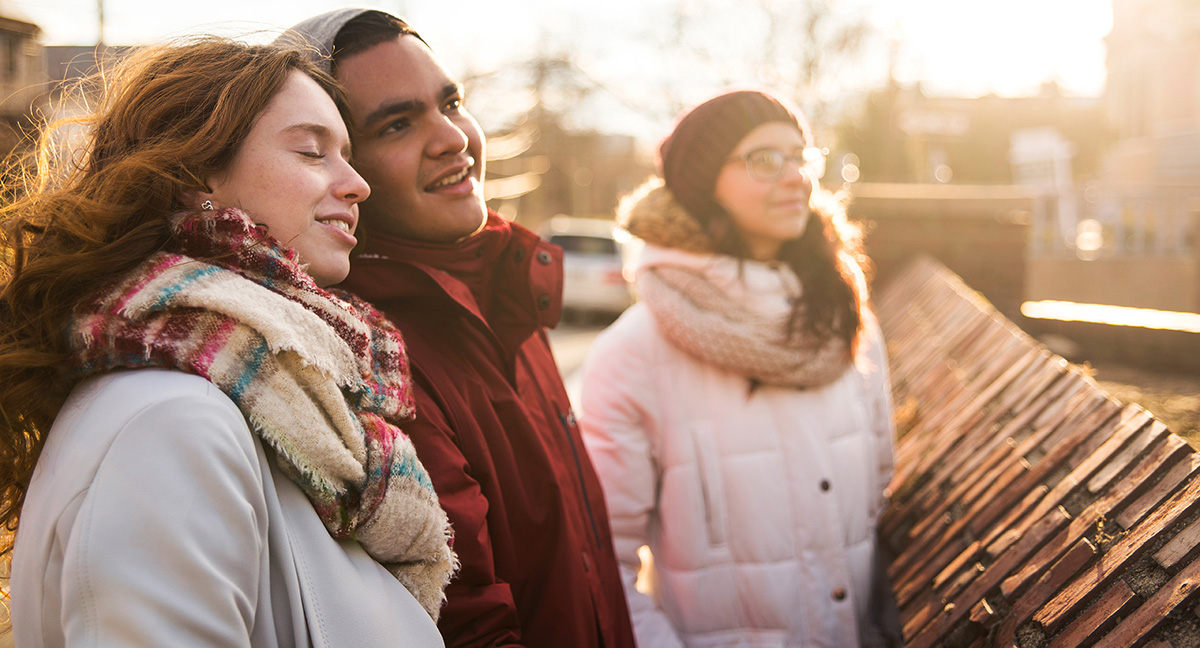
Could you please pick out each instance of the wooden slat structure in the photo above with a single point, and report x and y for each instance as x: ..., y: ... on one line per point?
x: 1029, y: 509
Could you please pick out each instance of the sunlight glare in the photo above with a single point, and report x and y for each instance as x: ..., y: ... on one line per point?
x: 1112, y: 315
x: 643, y: 579
x: 1002, y: 48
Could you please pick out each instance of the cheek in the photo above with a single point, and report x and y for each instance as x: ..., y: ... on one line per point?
x: 743, y: 200
x: 390, y: 173
x: 289, y: 203
x: 467, y: 124
x: 475, y: 142
x: 727, y: 192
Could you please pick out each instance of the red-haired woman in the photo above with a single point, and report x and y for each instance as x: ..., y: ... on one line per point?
x: 199, y: 441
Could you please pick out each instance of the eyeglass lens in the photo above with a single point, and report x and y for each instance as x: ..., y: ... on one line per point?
x: 768, y: 164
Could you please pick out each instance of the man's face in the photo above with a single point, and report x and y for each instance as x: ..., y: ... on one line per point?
x: 415, y: 143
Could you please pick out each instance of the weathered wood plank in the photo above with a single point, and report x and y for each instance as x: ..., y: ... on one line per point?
x: 1105, y: 422
x: 1066, y: 568
x: 1183, y: 546
x: 1127, y: 549
x: 945, y: 447
x: 1161, y: 461
x: 986, y: 499
x: 1025, y: 498
x: 1115, y: 602
x: 996, y: 572
x: 1143, y: 621
x: 1005, y: 489
x: 1161, y: 490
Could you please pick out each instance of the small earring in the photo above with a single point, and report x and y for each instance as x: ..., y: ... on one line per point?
x: 206, y: 205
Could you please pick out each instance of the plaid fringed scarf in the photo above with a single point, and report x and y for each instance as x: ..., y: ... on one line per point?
x: 321, y: 377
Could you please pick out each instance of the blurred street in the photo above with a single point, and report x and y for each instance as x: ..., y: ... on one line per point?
x: 570, y: 343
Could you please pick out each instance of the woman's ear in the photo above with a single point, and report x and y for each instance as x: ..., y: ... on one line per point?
x: 194, y: 199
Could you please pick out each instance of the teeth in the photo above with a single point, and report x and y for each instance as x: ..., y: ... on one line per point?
x: 340, y: 224
x: 454, y: 179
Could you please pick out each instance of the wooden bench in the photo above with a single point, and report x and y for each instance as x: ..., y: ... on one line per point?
x: 1029, y: 508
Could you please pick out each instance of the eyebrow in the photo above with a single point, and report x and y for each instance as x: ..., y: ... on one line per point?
x: 320, y: 130
x: 408, y: 106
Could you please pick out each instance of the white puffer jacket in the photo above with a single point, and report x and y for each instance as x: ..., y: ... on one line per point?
x: 759, y: 507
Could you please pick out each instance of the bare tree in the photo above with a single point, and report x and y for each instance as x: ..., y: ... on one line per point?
x: 804, y: 49
x: 647, y: 68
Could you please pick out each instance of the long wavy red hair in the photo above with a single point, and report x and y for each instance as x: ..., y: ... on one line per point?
x: 78, y: 214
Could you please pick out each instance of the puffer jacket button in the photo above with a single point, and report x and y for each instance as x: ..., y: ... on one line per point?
x: 543, y: 302
x: 518, y: 254
x: 825, y: 484
x: 839, y: 594
x: 543, y: 257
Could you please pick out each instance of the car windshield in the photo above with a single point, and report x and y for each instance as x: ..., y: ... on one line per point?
x: 585, y: 244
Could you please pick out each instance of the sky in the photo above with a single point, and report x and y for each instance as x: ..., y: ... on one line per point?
x: 953, y: 47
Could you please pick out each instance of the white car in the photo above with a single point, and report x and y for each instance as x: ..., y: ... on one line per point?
x: 593, y: 278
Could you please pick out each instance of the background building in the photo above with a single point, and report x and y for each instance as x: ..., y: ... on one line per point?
x: 1135, y: 240
x: 22, y: 78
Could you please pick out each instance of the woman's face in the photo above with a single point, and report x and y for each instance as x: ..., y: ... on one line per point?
x: 293, y: 175
x: 766, y: 214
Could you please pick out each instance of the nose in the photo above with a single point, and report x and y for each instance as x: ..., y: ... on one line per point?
x: 796, y: 173
x: 351, y: 186
x: 447, y: 138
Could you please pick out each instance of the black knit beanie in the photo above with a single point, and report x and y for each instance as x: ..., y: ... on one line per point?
x: 691, y: 157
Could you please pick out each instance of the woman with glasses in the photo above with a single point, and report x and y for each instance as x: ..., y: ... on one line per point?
x: 739, y: 414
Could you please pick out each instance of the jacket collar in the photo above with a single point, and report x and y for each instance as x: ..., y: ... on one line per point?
x: 504, y: 277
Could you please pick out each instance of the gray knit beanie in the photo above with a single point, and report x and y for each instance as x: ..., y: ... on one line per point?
x: 691, y: 157
x: 318, y: 34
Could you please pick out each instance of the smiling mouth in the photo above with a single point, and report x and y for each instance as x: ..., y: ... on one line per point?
x: 451, y: 180
x: 336, y: 222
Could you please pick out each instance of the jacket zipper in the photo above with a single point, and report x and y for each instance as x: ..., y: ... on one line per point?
x: 567, y: 420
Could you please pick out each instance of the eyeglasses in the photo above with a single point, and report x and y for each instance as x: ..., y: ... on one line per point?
x: 768, y: 164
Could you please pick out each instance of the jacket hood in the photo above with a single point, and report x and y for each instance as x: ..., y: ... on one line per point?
x: 315, y: 35
x: 653, y: 214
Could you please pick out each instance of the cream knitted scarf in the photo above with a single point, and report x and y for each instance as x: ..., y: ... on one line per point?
x: 704, y: 321
x: 321, y: 377
x: 762, y: 341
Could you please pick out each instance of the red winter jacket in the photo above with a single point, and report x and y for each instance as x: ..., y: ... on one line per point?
x: 496, y: 432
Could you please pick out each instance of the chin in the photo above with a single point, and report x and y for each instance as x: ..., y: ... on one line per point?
x: 474, y: 223
x: 330, y: 277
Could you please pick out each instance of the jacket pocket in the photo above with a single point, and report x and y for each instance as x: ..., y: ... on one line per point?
x: 712, y: 486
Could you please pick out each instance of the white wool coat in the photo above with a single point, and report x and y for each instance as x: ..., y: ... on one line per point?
x: 759, y: 508
x: 155, y: 518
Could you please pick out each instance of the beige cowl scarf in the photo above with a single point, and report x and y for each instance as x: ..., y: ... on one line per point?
x: 695, y: 310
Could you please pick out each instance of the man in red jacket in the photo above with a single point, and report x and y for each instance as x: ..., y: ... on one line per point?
x: 472, y: 294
